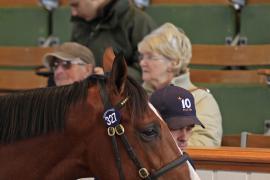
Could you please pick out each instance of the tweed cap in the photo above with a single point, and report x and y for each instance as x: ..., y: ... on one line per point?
x: 70, y: 51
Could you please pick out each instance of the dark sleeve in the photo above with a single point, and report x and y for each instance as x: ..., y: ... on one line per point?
x: 142, y: 25
x: 73, y: 28
x: 78, y: 30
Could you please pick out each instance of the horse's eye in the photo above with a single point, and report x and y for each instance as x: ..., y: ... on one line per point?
x: 149, y: 133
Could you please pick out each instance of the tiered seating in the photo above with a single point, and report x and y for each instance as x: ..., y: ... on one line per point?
x: 203, y: 23
x: 243, y: 107
x: 22, y: 23
x: 17, y: 68
x: 211, y: 56
x: 255, y: 23
x: 242, y: 95
x: 190, y: 1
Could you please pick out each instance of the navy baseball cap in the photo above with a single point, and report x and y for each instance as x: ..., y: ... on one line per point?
x: 176, y: 106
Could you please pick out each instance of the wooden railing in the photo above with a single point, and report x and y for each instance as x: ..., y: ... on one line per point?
x: 231, y: 159
x: 190, y: 2
x: 22, y: 56
x: 19, y: 2
x: 17, y: 68
x: 225, y: 56
x: 12, y: 59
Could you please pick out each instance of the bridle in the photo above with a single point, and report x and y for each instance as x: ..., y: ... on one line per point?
x: 112, y: 120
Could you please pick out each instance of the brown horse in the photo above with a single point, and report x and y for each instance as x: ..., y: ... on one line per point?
x: 101, y: 127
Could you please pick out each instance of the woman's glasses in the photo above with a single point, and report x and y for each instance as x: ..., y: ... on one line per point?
x: 65, y: 64
x: 151, y: 57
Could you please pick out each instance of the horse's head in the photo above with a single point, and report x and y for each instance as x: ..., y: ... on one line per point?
x: 103, y: 126
x: 126, y: 133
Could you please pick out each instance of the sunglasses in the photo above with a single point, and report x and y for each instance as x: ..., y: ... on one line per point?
x: 64, y: 64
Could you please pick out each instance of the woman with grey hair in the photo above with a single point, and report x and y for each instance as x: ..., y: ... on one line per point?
x: 164, y: 58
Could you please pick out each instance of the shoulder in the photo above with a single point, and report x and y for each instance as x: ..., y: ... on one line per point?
x: 78, y: 24
x: 136, y: 16
x: 203, y: 95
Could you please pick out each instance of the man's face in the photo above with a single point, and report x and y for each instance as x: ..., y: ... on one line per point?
x: 182, y: 135
x: 66, y: 73
x: 86, y: 9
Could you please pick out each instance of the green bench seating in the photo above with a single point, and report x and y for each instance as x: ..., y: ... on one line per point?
x: 243, y: 107
x: 255, y: 23
x: 203, y: 23
x: 61, y: 24
x: 22, y: 26
x: 243, y: 95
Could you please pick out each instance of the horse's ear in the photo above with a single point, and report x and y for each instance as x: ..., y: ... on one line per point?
x: 108, y: 58
x: 118, y: 75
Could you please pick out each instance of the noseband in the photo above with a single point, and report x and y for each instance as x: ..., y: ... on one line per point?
x: 112, y: 120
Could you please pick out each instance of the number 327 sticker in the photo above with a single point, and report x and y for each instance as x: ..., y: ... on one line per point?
x: 111, y: 117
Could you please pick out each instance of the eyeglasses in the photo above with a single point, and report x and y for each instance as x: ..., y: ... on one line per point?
x: 65, y: 64
x: 150, y: 57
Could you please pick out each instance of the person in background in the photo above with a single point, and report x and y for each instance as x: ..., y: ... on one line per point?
x: 176, y: 106
x: 98, y: 24
x: 164, y: 58
x: 70, y: 62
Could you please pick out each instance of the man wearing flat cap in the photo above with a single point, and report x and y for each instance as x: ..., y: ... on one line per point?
x: 176, y: 106
x: 70, y: 62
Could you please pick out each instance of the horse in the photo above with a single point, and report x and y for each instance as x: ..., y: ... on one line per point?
x: 100, y: 127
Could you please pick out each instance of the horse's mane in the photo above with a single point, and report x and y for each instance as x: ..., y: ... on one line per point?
x: 39, y: 111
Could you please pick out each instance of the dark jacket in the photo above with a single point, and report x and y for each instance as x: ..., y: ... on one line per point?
x: 120, y: 25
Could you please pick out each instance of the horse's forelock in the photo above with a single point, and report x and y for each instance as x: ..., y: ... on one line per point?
x: 138, y: 102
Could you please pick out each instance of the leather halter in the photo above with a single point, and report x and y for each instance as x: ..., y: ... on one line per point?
x: 112, y: 114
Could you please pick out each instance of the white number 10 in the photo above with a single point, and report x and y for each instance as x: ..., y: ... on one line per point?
x: 186, y: 103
